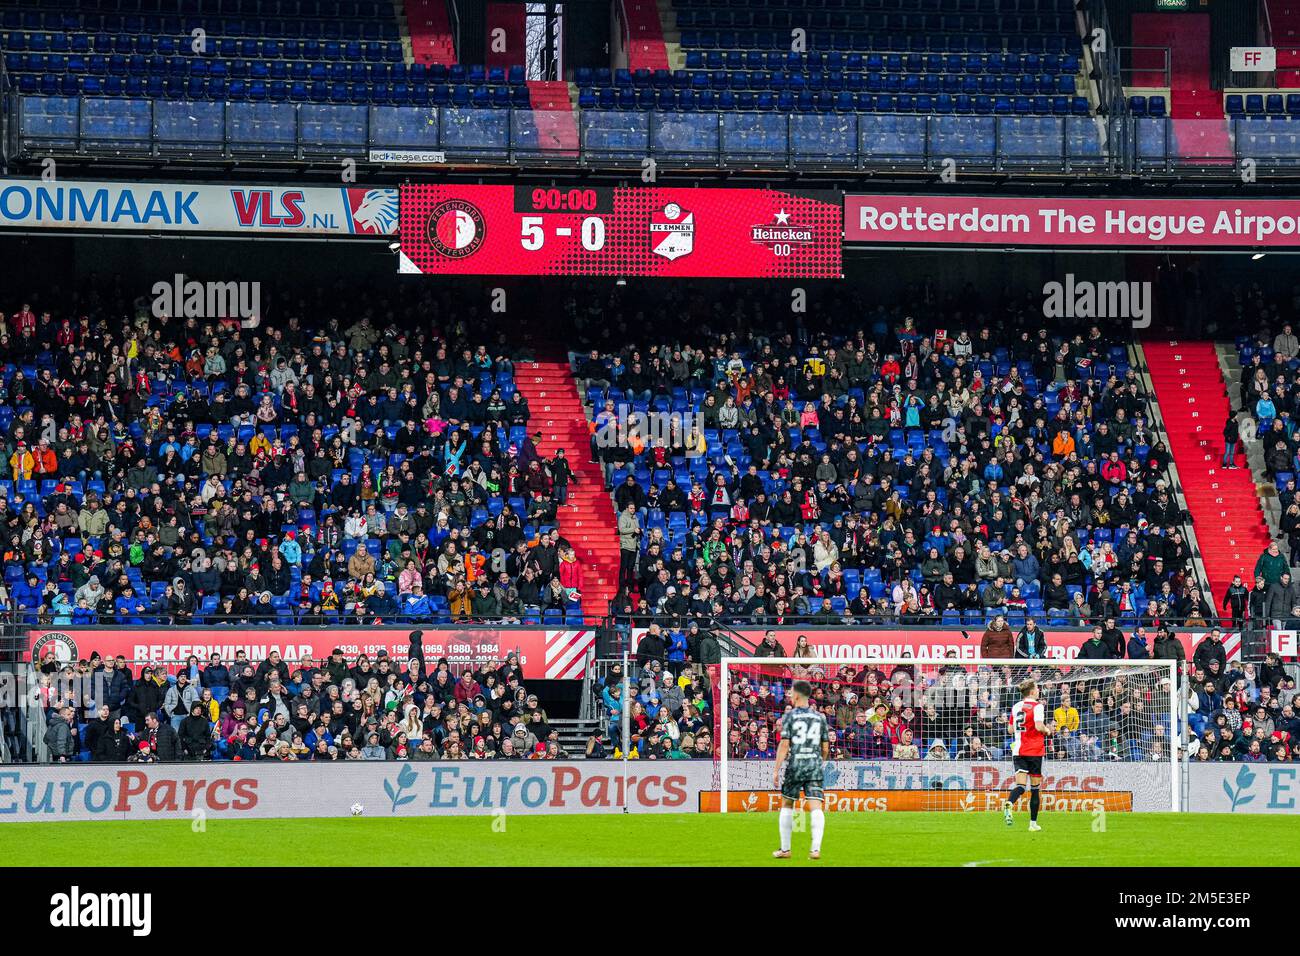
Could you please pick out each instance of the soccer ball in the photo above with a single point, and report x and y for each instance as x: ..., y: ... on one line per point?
x: 357, y: 809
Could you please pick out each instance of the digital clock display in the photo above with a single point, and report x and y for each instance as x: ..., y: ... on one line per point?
x: 564, y: 199
x: 624, y: 231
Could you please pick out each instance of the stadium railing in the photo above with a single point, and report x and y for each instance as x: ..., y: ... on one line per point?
x: 1094, y: 17
x: 26, y: 688
x: 163, y: 129
x: 7, y: 113
x: 25, y: 619
x: 736, y: 635
x: 1077, y: 145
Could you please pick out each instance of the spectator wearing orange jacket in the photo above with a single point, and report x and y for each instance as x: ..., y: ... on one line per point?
x: 460, y: 599
x: 46, y: 462
x: 22, y: 463
x: 475, y: 562
x: 1063, y: 444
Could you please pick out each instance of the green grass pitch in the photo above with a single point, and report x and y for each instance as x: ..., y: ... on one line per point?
x: 686, y: 839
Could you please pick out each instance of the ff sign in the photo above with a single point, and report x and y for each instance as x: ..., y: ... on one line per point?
x: 1253, y: 59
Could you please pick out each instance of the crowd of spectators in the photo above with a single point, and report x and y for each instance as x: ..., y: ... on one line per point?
x: 1242, y: 712
x: 947, y: 461
x: 1267, y: 419
x: 670, y: 716
x: 934, y: 464
x: 1270, y: 374
x: 376, y: 468
x: 331, y: 709
x: 959, y: 711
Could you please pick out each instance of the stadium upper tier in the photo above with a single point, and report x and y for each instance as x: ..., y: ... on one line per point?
x: 185, y: 472
x: 901, y: 55
x: 909, y: 59
x: 893, y: 85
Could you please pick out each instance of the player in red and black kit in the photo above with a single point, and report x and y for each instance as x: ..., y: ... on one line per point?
x: 1029, y: 730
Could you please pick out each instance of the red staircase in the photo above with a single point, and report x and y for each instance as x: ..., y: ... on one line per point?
x: 646, y: 48
x: 1200, y: 128
x: 588, y: 520
x: 1284, y: 18
x: 430, y: 30
x: 557, y: 127
x: 1226, y: 515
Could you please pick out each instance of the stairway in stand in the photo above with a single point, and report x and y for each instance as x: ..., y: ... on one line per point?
x: 1199, y: 127
x: 1284, y: 18
x: 430, y: 31
x: 645, y: 36
x: 588, y: 520
x: 1226, y: 514
x: 557, y: 125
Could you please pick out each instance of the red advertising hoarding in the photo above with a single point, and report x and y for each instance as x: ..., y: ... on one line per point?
x: 552, y: 654
x: 865, y: 642
x: 1049, y: 222
x: 656, y: 231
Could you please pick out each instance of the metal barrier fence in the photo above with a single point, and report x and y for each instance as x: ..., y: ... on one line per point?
x: 6, y: 118
x: 30, y: 695
x: 1143, y: 67
x: 22, y: 715
x: 270, y: 616
x: 163, y: 129
x: 1106, y: 66
x: 1085, y: 146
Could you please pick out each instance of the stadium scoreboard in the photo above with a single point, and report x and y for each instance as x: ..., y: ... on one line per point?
x: 649, y: 231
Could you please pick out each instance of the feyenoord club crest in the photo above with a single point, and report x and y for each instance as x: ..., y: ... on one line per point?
x: 672, y: 232
x: 456, y: 229
x: 55, y: 645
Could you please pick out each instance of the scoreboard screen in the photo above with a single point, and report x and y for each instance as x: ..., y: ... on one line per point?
x: 620, y: 231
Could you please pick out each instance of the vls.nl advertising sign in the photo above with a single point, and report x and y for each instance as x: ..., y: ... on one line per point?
x: 188, y: 207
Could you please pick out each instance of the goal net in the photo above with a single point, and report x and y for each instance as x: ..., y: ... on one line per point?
x: 910, y: 734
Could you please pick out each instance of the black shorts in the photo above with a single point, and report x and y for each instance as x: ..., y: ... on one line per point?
x: 1030, y: 765
x: 793, y: 787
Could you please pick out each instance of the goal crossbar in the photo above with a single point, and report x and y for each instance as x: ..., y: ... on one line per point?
x: 830, y: 664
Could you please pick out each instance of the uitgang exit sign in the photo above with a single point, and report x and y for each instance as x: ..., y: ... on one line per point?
x: 1253, y: 59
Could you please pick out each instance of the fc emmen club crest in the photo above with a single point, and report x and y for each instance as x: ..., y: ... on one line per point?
x: 672, y: 232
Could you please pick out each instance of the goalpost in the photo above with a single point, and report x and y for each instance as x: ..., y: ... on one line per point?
x: 1116, y: 745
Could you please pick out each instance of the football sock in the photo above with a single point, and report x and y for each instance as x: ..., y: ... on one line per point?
x: 817, y: 819
x: 1033, y: 804
x: 786, y: 823
x: 1017, y: 792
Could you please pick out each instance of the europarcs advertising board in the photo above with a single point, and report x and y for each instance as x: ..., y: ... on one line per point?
x: 464, y: 788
